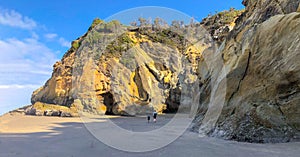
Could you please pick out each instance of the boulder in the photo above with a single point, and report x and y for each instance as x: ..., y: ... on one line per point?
x: 48, y: 113
x: 56, y: 113
x: 30, y: 111
x: 67, y: 114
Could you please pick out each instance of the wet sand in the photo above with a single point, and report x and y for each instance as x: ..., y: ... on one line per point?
x: 30, y: 136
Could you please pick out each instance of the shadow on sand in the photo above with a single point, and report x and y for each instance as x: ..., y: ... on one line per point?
x: 72, y: 139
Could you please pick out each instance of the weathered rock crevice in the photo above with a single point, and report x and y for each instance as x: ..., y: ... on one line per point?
x: 242, y: 78
x: 261, y: 103
x: 143, y: 95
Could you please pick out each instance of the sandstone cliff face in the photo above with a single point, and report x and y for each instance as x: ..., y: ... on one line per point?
x: 58, y: 89
x: 247, y: 88
x: 116, y: 69
x: 261, y: 101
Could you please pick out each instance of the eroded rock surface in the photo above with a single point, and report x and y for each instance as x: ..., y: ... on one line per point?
x: 261, y: 102
x: 248, y: 87
x: 116, y: 69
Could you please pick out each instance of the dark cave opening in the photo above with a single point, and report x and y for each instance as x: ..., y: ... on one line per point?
x: 173, y: 101
x: 108, y: 101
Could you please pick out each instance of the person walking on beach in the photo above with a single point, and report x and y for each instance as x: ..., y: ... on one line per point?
x: 154, y: 116
x: 148, y: 118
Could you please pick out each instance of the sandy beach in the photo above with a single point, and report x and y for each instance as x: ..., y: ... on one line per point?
x: 30, y: 136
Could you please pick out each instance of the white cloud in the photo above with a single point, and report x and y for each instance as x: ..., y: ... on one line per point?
x: 18, y: 86
x: 24, y: 51
x: 48, y: 73
x: 35, y: 36
x: 15, y: 19
x: 25, y: 61
x: 50, y: 36
x: 54, y: 37
x: 64, y: 42
x: 25, y: 65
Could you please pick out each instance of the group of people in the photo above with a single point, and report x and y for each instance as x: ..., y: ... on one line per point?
x: 154, y: 115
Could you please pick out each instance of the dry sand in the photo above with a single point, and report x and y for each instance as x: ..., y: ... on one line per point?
x: 30, y: 136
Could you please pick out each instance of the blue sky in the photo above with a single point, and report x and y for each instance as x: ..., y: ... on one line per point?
x: 34, y: 34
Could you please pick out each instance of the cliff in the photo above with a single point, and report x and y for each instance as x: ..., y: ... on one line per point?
x: 243, y: 71
x: 261, y: 76
x: 117, y: 69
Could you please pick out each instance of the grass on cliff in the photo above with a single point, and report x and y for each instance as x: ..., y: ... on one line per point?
x: 222, y: 18
x: 227, y: 17
x: 96, y: 22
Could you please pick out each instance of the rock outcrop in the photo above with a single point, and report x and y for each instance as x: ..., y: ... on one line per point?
x: 221, y: 24
x: 243, y: 71
x: 261, y: 101
x: 116, y: 69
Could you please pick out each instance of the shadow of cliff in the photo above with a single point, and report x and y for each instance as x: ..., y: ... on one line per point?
x: 72, y: 139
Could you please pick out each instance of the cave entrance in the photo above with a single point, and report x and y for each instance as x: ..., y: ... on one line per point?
x: 173, y: 101
x: 108, y: 101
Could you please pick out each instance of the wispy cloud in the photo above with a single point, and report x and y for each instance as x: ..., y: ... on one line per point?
x: 29, y: 49
x: 54, y: 37
x: 35, y: 35
x: 25, y: 61
x: 25, y: 65
x: 50, y: 36
x: 64, y: 42
x: 18, y: 86
x: 15, y: 19
x: 48, y: 73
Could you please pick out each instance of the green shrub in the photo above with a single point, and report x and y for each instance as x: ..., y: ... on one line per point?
x: 75, y: 44
x: 96, y: 22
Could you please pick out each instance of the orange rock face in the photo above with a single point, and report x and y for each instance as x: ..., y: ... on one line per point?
x: 114, y: 70
x: 253, y: 62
